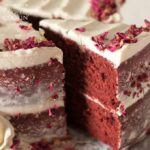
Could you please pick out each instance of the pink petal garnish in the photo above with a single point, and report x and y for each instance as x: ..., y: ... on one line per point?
x: 51, y: 87
x: 25, y: 27
x: 50, y: 112
x: 81, y: 29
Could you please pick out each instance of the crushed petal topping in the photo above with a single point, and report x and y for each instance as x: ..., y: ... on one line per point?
x: 104, y: 8
x: 31, y: 42
x: 120, y: 38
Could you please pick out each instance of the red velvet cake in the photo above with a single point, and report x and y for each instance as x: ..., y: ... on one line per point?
x: 31, y: 85
x: 107, y: 78
x: 35, y: 10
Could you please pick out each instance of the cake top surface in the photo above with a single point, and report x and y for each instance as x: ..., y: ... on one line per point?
x: 21, y: 35
x: 115, y: 42
x: 68, y: 9
x: 22, y: 46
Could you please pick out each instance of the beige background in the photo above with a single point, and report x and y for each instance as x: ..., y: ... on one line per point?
x: 135, y: 11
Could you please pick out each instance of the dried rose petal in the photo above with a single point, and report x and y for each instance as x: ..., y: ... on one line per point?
x: 127, y: 93
x: 104, y: 8
x: 99, y: 40
x: 81, y: 29
x: 25, y: 27
x: 42, y: 145
x: 49, y: 126
x: 50, y: 112
x: 18, y: 90
x: 113, y: 46
x: 51, y: 87
x: 69, y: 148
x: 134, y: 30
x: 15, y: 144
x: 104, y: 35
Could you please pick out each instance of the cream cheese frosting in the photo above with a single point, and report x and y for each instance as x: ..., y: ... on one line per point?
x: 24, y: 58
x: 43, y: 104
x: 7, y: 15
x: 6, y: 134
x: 67, y: 9
x: 28, y: 58
x: 33, y: 108
x: 67, y: 28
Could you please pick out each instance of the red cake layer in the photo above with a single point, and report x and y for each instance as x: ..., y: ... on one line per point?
x: 45, y: 125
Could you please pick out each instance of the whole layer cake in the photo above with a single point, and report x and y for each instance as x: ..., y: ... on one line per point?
x: 107, y: 77
x: 35, y: 10
x: 31, y: 85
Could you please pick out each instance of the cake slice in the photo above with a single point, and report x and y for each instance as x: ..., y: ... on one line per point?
x: 31, y: 83
x: 35, y: 10
x: 107, y: 77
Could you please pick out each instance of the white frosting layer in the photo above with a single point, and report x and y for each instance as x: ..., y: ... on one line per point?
x: 33, y: 108
x: 6, y: 15
x: 24, y: 58
x: 27, y: 58
x: 52, y: 8
x: 67, y: 9
x: 101, y: 104
x: 93, y: 28
x: 6, y: 134
x: 130, y: 100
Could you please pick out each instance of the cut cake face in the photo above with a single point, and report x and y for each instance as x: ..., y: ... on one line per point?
x: 107, y: 77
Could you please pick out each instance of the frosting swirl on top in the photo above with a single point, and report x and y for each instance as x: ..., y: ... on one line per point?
x: 24, y: 47
x: 6, y: 133
x: 67, y: 9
